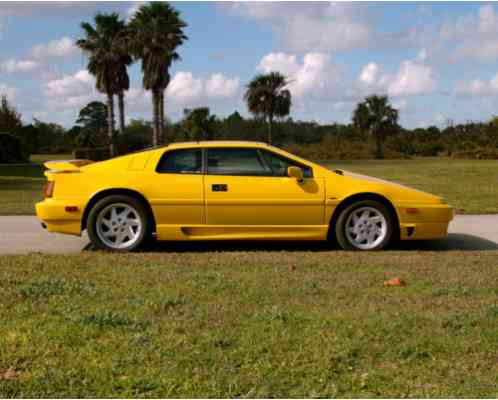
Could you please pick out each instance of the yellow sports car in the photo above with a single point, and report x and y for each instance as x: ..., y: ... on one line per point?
x: 228, y: 190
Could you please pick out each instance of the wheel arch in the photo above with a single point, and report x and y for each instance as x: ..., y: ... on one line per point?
x: 359, y: 197
x: 118, y: 191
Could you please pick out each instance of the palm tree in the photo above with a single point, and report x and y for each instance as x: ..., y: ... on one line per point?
x: 266, y: 96
x: 107, y: 61
x: 156, y: 30
x: 378, y: 117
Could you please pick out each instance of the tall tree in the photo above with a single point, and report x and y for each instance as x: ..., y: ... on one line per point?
x: 198, y: 124
x: 106, y: 47
x: 376, y: 116
x: 93, y: 123
x: 10, y: 119
x: 156, y: 30
x: 266, y: 96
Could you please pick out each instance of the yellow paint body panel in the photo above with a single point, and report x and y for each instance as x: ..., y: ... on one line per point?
x: 253, y: 207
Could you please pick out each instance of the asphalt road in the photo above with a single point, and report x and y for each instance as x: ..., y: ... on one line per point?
x: 24, y: 235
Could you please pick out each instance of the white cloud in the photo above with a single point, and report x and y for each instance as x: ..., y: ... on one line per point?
x: 315, y: 75
x: 412, y: 79
x: 71, y: 92
x: 184, y: 88
x: 62, y: 47
x: 478, y: 87
x: 312, y: 26
x: 326, y: 26
x: 470, y: 37
x: 219, y: 86
x: 13, y: 65
x: 286, y: 64
x: 70, y: 86
x: 368, y: 74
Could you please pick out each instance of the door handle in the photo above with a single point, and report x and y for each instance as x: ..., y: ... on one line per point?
x: 219, y: 187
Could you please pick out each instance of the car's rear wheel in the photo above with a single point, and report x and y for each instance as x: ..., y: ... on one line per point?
x: 364, y: 225
x: 118, y: 223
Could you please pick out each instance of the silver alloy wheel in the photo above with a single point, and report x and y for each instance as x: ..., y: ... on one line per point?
x: 366, y: 228
x: 119, y: 226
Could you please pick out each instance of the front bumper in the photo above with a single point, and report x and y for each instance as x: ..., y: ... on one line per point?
x: 54, y: 217
x: 430, y: 221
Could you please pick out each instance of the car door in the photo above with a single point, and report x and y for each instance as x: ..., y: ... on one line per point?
x: 176, y: 193
x: 243, y: 188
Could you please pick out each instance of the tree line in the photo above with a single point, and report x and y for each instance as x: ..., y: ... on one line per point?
x: 88, y: 137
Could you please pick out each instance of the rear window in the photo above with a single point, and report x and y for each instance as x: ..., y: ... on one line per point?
x: 188, y: 161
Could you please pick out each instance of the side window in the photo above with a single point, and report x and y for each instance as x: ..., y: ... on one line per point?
x: 280, y: 164
x: 236, y: 161
x: 188, y: 161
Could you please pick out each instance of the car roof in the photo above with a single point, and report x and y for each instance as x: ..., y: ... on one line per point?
x: 218, y: 143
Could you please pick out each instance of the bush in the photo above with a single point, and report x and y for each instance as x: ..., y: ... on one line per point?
x: 11, y: 150
x: 429, y: 149
x: 477, y: 154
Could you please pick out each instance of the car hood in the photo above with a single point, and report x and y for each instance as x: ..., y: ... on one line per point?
x: 394, y: 190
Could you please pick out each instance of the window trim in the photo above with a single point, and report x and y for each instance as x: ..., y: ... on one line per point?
x: 171, y: 151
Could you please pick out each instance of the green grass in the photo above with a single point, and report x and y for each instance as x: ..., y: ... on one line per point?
x: 249, y: 324
x: 469, y: 185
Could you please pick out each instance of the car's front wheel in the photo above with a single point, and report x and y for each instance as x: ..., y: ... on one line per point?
x: 364, y: 225
x: 118, y: 223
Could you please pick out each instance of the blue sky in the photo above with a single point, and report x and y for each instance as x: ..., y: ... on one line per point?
x: 436, y: 61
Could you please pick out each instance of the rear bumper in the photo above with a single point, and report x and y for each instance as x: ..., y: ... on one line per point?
x: 429, y: 222
x: 54, y: 217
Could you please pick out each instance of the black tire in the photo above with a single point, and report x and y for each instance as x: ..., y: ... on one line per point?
x: 142, y: 214
x: 340, y: 227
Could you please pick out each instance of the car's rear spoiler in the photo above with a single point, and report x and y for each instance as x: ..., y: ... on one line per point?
x: 66, y: 165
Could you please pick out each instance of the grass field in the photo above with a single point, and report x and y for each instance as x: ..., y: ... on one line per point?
x: 249, y: 324
x: 469, y: 185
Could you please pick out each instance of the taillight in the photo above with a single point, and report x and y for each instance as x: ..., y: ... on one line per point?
x: 48, y: 190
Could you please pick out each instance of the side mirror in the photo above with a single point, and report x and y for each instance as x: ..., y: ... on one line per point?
x: 295, y: 172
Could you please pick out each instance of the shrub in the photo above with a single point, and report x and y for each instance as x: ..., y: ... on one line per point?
x: 11, y: 150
